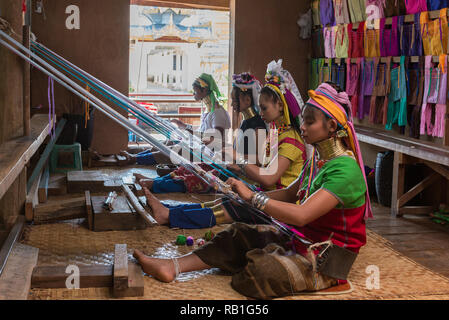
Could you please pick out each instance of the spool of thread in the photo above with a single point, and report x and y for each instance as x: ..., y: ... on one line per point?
x: 181, y: 240
x: 200, y: 242
x: 189, y: 241
x: 209, y: 235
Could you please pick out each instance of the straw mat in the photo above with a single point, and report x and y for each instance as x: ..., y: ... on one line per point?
x: 70, y: 242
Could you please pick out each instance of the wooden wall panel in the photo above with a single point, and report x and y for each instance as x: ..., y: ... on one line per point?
x: 100, y: 46
x: 266, y: 30
x: 11, y: 110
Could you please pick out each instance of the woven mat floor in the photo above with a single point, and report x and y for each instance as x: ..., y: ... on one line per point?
x: 71, y: 242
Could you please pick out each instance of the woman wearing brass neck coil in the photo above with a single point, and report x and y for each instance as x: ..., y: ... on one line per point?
x: 327, y: 204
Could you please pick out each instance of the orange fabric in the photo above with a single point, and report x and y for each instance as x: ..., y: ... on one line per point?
x: 372, y: 43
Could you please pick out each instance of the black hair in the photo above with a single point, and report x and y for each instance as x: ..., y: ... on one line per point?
x: 275, y: 98
x: 248, y: 92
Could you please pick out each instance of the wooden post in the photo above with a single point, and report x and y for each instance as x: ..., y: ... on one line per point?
x: 398, y: 183
x: 120, y: 267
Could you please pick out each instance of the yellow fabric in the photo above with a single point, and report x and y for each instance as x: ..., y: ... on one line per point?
x: 434, y: 41
x: 281, y: 95
x: 336, y: 112
x: 294, y: 154
x: 372, y: 42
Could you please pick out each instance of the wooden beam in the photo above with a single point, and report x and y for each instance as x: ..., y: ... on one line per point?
x: 15, y: 153
x: 43, y: 184
x: 56, y: 210
x: 15, y: 282
x: 135, y: 286
x: 417, y: 189
x: 120, y: 267
x: 416, y: 210
x: 46, y: 154
x: 398, y: 183
x: 13, y: 236
x: 412, y: 147
x: 438, y: 168
x: 97, y: 276
x: 221, y: 5
x: 32, y: 199
x: 90, y: 215
x: 137, y: 206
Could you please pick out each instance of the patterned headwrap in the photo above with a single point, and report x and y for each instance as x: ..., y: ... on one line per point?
x: 245, y: 81
x: 207, y: 81
x: 281, y: 82
x: 328, y: 100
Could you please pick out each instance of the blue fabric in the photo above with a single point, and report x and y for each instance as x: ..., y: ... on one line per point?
x: 146, y: 158
x: 166, y: 184
x: 436, y: 4
x: 184, y: 206
x: 188, y: 217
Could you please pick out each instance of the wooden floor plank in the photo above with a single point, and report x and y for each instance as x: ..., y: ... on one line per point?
x: 97, y: 276
x: 384, y: 230
x: 15, y: 281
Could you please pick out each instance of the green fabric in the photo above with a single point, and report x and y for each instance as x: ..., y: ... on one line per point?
x: 343, y: 178
x: 213, y: 88
x: 397, y: 98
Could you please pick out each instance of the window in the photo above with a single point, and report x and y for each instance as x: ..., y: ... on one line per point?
x: 180, y: 63
x: 174, y: 62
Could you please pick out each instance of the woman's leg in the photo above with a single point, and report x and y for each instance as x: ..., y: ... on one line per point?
x: 165, y: 269
x: 227, y: 250
x: 187, y: 216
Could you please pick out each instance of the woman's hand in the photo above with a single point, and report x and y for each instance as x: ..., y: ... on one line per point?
x: 234, y: 168
x: 238, y: 186
x: 179, y: 123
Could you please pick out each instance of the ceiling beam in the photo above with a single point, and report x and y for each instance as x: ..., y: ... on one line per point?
x: 221, y: 5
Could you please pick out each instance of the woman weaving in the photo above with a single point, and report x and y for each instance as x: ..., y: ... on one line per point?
x: 213, y: 122
x: 285, y: 153
x: 327, y: 203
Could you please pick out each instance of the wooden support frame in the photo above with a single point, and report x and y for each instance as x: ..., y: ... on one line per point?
x: 43, y: 184
x: 125, y: 277
x: 12, y: 238
x: 400, y: 197
x: 12, y: 163
x: 46, y: 154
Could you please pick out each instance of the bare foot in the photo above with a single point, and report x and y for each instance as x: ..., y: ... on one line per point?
x: 160, y: 212
x: 143, y: 181
x: 161, y: 269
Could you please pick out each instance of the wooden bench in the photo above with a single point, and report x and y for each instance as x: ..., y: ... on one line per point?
x: 409, y: 151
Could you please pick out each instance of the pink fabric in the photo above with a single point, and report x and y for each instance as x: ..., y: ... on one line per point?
x: 329, y: 42
x: 415, y: 6
x: 434, y: 99
x: 374, y: 9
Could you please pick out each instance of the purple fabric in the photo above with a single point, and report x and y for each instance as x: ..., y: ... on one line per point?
x: 411, y: 44
x: 366, y: 87
x: 389, y: 40
x: 327, y: 16
x: 292, y: 103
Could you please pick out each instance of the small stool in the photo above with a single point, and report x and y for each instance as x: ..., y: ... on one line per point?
x: 77, y: 160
